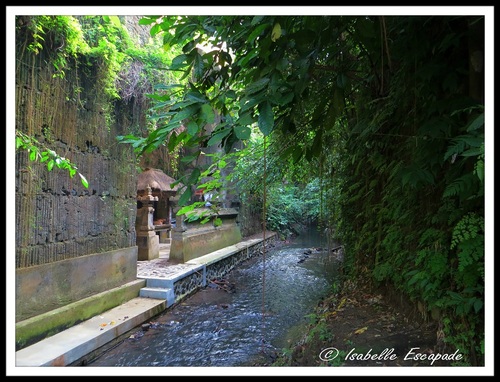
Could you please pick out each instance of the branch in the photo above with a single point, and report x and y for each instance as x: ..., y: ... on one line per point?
x: 30, y: 144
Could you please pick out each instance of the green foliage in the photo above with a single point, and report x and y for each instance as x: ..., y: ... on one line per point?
x: 100, y: 46
x: 25, y: 142
x: 385, y: 120
x: 108, y: 41
x: 272, y: 78
x: 292, y: 196
x: 60, y: 35
x: 469, y: 149
x: 413, y: 167
x: 468, y: 240
x: 290, y: 208
x: 318, y: 328
x: 210, y: 182
x: 466, y: 335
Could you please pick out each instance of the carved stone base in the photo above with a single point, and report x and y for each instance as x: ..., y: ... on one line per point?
x: 148, y: 244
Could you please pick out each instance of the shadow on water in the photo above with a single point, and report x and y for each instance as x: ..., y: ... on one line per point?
x: 246, y: 318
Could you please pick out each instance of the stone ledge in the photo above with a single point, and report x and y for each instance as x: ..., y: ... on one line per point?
x: 37, y: 328
x: 64, y: 348
x: 220, y: 254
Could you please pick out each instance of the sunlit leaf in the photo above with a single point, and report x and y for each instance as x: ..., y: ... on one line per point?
x: 361, y: 330
x: 185, y: 209
x: 148, y: 20
x: 19, y: 142
x: 115, y: 21
x: 276, y: 33
x: 155, y: 29
x: 84, y: 181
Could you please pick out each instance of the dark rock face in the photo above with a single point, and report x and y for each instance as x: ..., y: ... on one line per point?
x: 56, y: 216
x: 57, y: 219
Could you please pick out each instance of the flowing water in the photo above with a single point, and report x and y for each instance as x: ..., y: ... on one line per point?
x: 256, y: 311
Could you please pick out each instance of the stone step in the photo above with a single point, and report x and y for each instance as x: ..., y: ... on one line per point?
x: 166, y: 294
x: 159, y: 282
x: 74, y: 343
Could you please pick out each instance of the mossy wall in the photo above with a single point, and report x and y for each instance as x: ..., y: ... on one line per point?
x: 57, y: 218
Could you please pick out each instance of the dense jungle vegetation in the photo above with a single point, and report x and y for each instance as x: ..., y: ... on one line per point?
x: 371, y: 126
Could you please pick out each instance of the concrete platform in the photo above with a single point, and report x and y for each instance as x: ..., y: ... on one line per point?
x: 70, y: 345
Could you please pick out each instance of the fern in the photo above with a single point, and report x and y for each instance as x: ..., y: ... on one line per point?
x: 476, y: 123
x: 468, y: 239
x: 467, y: 228
x: 414, y: 175
x: 459, y: 186
x: 470, y: 145
x: 463, y: 142
x: 479, y: 170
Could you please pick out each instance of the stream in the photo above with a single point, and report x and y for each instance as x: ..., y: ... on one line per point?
x: 233, y: 323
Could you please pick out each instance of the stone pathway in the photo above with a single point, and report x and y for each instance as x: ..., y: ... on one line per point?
x: 160, y: 267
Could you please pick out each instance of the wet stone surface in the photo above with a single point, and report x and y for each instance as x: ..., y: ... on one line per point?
x: 160, y: 268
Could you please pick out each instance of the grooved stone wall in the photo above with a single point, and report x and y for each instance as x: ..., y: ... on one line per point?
x: 57, y: 218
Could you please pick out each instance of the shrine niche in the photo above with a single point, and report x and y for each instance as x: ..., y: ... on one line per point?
x: 164, y: 199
